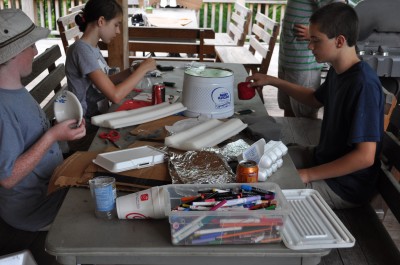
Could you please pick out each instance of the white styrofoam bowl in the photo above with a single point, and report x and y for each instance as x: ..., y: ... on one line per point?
x: 67, y: 107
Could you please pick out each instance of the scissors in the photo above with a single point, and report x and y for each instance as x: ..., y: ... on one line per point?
x: 111, y: 136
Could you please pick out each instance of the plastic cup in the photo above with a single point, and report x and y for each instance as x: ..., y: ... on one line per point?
x: 104, y: 193
x: 246, y: 92
x: 146, y: 204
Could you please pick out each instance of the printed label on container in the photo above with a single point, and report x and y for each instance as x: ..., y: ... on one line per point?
x: 221, y: 97
x: 105, y: 198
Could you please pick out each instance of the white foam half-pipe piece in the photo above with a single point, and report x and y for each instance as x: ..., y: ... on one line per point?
x: 100, y: 119
x: 150, y: 115
x: 210, y: 137
x: 177, y: 139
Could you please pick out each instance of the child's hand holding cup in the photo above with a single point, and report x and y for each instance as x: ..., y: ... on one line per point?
x: 245, y: 91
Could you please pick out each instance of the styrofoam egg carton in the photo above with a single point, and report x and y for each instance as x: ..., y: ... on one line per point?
x: 264, y: 173
x: 268, y: 157
x: 254, y: 152
x: 273, y: 151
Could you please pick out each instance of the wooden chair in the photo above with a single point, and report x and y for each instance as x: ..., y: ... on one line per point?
x: 44, y: 91
x: 76, y: 8
x: 69, y: 31
x: 170, y: 40
x: 257, y: 56
x: 390, y: 104
x: 237, y: 30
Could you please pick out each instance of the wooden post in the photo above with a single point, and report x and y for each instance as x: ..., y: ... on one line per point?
x: 118, y: 48
x: 29, y: 8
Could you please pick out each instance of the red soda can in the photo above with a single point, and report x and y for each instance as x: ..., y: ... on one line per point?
x: 158, y: 94
x: 247, y: 172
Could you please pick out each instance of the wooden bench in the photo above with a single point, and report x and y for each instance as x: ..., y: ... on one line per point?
x: 170, y: 40
x: 373, y: 243
x: 51, y: 78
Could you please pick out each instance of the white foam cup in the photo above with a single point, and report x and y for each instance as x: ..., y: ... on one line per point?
x: 146, y: 204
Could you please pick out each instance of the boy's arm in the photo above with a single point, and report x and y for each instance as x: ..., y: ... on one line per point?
x: 361, y: 157
x: 27, y: 161
x: 302, y: 94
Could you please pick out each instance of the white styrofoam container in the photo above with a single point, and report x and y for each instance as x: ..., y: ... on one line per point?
x: 208, y: 92
x: 131, y: 158
x: 312, y: 224
x: 18, y: 258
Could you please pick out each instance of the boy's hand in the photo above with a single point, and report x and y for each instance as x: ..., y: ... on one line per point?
x: 305, y: 178
x: 66, y: 130
x: 301, y: 32
x: 259, y: 80
x: 148, y: 65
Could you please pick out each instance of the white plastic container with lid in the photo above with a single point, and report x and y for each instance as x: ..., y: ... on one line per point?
x: 208, y: 92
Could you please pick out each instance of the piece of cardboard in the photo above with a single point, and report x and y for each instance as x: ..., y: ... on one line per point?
x: 79, y: 168
x: 155, y: 130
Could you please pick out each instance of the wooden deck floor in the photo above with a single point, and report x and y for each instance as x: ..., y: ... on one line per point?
x: 270, y: 94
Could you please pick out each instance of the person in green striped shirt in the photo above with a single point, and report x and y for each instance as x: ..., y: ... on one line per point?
x: 296, y: 63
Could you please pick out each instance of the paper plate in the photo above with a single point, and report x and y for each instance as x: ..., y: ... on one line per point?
x: 67, y: 107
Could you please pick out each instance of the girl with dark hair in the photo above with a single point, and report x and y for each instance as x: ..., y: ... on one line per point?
x: 87, y: 71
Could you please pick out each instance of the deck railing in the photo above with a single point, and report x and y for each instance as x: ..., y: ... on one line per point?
x: 214, y: 13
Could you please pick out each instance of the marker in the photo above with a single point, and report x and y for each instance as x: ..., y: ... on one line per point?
x: 260, y: 206
x: 257, y: 190
x: 204, y: 203
x: 244, y: 233
x: 216, y: 231
x: 190, y: 228
x: 221, y: 191
x: 242, y: 200
x: 199, y: 208
x: 218, y: 205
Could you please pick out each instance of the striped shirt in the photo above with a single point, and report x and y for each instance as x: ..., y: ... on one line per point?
x: 294, y: 54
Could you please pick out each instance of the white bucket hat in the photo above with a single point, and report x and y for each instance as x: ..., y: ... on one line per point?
x: 17, y: 32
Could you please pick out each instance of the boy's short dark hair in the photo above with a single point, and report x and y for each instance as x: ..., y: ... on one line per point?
x: 337, y: 19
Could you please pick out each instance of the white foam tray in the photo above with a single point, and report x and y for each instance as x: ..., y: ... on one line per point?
x: 206, y: 134
x: 128, y: 159
x: 119, y: 119
x: 312, y: 224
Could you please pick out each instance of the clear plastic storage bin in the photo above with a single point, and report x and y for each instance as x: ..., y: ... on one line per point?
x: 233, y: 226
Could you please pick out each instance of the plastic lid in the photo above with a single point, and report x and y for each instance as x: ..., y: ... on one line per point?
x: 209, y: 72
x: 312, y: 224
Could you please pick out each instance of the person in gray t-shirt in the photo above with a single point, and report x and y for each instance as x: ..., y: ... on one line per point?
x: 29, y: 151
x: 87, y: 71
